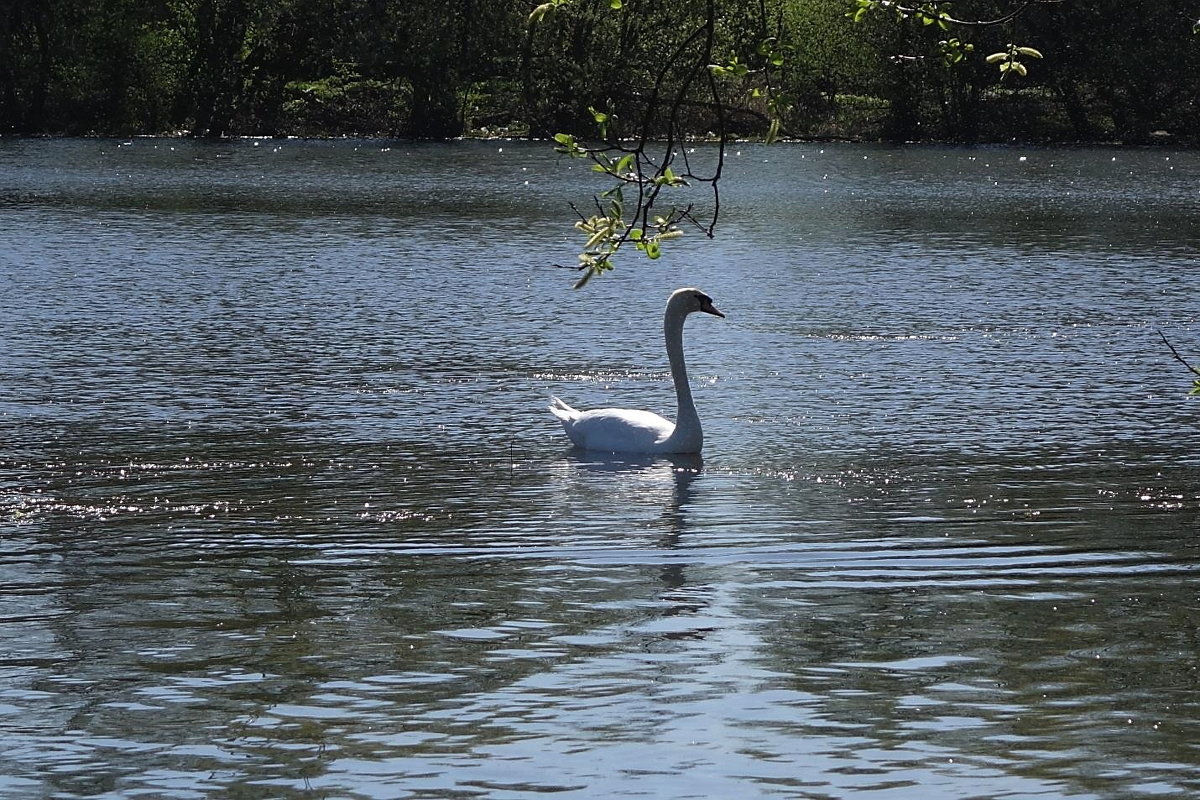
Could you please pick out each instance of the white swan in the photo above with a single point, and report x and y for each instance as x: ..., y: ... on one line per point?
x: 623, y: 430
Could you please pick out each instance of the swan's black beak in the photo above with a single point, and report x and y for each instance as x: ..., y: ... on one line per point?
x: 707, y: 307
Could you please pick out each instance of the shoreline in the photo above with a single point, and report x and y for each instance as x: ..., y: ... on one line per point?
x: 1163, y: 140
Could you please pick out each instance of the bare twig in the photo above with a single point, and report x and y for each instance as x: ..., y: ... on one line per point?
x: 1178, y: 357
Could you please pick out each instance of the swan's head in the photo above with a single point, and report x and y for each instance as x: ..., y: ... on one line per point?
x: 685, y: 301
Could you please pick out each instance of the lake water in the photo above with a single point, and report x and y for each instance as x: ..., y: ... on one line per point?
x: 283, y: 514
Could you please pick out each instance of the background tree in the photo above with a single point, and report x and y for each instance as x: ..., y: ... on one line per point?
x: 217, y: 29
x: 1123, y: 69
x: 1114, y: 69
x: 84, y: 66
x: 831, y: 70
x: 27, y: 32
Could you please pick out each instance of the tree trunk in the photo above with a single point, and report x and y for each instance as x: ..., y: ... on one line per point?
x: 221, y: 31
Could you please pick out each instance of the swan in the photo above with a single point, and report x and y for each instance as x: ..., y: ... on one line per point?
x: 623, y: 430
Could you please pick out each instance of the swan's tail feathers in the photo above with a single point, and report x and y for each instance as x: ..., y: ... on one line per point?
x: 561, y: 410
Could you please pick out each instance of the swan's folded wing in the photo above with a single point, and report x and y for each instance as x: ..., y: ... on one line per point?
x: 619, y: 430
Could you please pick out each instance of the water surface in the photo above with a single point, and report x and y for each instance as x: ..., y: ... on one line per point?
x: 282, y: 513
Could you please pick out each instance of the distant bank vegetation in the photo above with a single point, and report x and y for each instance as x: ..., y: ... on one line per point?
x: 1114, y: 70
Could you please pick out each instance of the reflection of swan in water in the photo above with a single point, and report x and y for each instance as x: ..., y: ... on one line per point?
x: 623, y: 430
x: 645, y: 476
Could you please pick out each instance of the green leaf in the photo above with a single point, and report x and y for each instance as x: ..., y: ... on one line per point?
x: 616, y: 194
x: 615, y: 5
x: 652, y: 250
x: 667, y: 178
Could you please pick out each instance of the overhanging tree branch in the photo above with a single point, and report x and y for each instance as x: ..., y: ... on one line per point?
x: 934, y: 11
x: 640, y: 163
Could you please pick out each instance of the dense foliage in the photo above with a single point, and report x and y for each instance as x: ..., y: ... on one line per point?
x: 1124, y: 70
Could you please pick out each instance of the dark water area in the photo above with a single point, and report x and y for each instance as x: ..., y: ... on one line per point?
x: 283, y: 513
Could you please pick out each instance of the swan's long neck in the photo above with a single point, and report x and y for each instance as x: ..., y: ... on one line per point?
x: 687, y: 421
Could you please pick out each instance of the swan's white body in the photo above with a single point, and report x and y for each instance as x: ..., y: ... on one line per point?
x: 624, y: 430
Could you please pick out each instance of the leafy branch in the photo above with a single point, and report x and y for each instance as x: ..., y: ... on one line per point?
x: 1009, y: 60
x: 954, y: 50
x: 935, y: 12
x: 608, y: 230
x: 645, y: 174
